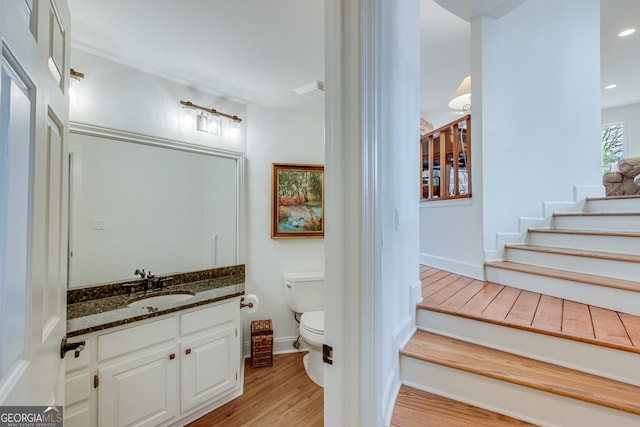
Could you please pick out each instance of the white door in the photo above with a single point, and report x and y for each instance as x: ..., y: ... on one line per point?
x: 34, y: 82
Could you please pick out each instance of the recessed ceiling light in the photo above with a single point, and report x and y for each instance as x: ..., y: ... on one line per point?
x: 626, y: 32
x: 611, y: 86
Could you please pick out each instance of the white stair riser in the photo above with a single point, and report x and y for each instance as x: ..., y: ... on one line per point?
x: 614, y: 244
x: 609, y: 222
x: 510, y: 399
x: 594, y: 359
x: 601, y: 267
x: 610, y: 298
x: 613, y: 205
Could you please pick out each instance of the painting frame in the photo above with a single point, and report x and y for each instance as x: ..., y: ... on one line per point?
x: 297, y: 201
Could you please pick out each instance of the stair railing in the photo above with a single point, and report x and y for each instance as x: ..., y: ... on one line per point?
x: 445, y: 155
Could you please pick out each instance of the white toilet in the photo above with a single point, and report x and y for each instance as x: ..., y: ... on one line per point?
x: 304, y: 293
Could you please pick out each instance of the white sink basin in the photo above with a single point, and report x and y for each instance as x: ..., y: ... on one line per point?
x: 160, y: 300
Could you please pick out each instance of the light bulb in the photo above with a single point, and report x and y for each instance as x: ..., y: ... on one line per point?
x: 202, y: 122
x: 233, y: 130
x: 188, y: 119
x: 214, y: 124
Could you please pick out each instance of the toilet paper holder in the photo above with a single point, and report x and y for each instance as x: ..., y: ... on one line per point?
x: 250, y: 302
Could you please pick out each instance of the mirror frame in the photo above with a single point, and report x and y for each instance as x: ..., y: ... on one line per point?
x: 153, y: 141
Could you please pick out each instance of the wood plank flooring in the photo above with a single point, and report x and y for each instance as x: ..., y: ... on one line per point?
x: 454, y: 294
x: 524, y: 371
x: 420, y: 408
x: 281, y: 395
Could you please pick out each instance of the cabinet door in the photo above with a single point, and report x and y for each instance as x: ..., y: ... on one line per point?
x: 139, y: 391
x: 209, y: 366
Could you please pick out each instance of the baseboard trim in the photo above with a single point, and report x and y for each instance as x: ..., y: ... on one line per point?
x: 415, y: 293
x: 280, y: 346
x: 391, y: 390
x: 452, y: 265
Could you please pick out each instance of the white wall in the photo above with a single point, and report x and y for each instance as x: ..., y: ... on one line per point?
x: 278, y: 136
x: 372, y: 156
x: 398, y: 103
x: 116, y: 96
x: 536, y: 85
x: 630, y: 115
x: 535, y: 128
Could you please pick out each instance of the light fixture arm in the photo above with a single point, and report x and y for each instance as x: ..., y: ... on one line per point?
x: 76, y: 73
x: 211, y: 111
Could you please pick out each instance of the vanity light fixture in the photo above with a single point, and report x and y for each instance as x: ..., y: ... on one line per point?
x: 209, y: 120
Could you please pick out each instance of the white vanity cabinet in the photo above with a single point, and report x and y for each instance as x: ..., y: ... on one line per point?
x: 210, y: 355
x: 137, y: 374
x: 161, y: 372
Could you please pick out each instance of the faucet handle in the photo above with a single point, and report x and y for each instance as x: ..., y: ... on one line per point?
x: 129, y: 288
x: 140, y: 272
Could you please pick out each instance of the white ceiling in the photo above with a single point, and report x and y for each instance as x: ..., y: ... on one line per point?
x: 619, y: 57
x: 258, y: 51
x: 248, y: 50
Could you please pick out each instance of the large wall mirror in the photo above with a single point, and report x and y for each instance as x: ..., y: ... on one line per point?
x: 142, y: 202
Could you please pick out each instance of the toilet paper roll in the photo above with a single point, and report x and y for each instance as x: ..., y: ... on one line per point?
x: 250, y: 303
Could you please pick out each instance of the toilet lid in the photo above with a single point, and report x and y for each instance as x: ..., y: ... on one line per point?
x: 313, y: 321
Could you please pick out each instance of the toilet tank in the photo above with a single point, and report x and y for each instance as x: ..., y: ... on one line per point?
x: 304, y: 291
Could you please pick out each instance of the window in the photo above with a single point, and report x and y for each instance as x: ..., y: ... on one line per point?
x: 612, y: 138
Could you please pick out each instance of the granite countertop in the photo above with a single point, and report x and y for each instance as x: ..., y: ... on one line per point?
x: 101, y: 313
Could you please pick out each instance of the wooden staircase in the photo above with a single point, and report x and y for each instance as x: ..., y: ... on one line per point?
x: 551, y: 338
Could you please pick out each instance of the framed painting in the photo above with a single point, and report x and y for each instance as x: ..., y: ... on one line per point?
x: 297, y: 201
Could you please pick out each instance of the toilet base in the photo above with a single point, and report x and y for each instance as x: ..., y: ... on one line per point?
x: 313, y: 366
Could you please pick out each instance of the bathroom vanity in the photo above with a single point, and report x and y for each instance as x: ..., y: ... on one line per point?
x: 150, y: 366
x: 160, y: 349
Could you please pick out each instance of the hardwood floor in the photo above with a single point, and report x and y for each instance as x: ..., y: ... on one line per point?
x: 451, y: 293
x: 523, y: 371
x: 419, y: 408
x: 278, y: 396
x: 282, y: 395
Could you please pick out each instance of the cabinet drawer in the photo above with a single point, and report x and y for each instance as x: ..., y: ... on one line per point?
x: 209, y: 317
x: 136, y: 338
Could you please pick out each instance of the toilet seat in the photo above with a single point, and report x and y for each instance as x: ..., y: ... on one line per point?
x: 313, y: 321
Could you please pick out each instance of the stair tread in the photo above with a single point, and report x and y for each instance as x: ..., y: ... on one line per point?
x: 592, y: 279
x: 585, y: 232
x: 497, y: 304
x: 577, y: 252
x: 613, y: 198
x: 594, y: 214
x: 418, y: 408
x: 499, y: 365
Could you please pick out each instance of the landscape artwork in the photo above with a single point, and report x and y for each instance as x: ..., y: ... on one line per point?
x: 298, y: 201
